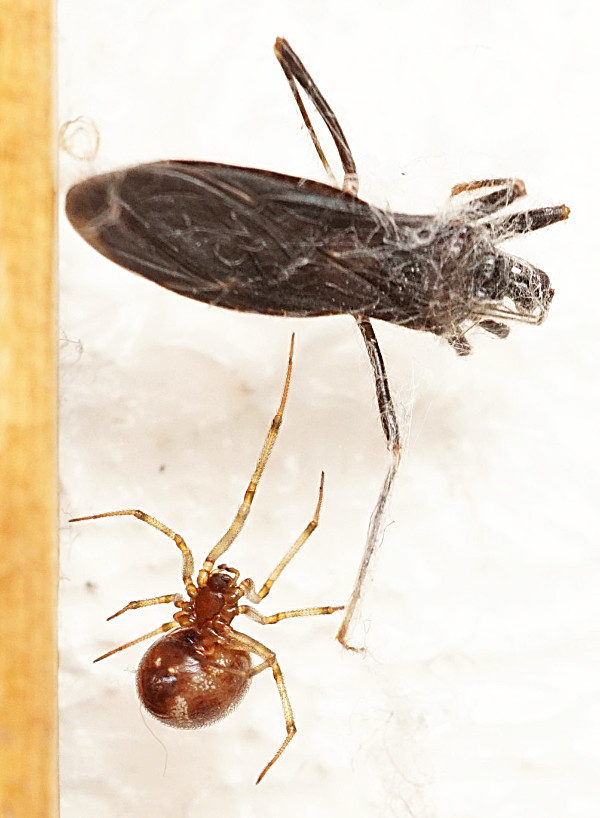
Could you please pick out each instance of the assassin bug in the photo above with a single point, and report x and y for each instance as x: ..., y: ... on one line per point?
x: 198, y: 671
x: 257, y: 241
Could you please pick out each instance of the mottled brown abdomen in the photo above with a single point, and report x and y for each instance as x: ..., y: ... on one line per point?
x: 185, y: 682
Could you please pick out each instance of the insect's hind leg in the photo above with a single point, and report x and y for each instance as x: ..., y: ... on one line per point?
x: 295, y: 72
x: 389, y: 422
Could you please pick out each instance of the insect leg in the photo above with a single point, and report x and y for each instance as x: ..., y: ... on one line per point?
x: 188, y: 560
x: 482, y: 204
x: 296, y: 71
x: 527, y: 221
x: 243, y: 511
x: 374, y: 539
x: 478, y: 184
x: 495, y: 327
x: 459, y: 344
x: 389, y: 422
x: 269, y: 661
x: 387, y: 412
x: 514, y: 223
x: 248, y: 584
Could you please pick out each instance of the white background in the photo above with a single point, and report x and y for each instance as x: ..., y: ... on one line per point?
x: 478, y: 696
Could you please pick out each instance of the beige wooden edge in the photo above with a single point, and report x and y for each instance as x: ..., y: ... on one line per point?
x: 28, y: 564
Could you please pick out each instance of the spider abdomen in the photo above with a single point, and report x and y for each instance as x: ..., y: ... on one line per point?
x: 186, y: 680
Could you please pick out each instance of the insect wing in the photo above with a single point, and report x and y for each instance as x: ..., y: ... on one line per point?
x: 245, y: 239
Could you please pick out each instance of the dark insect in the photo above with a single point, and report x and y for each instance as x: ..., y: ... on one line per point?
x: 198, y: 672
x: 257, y: 241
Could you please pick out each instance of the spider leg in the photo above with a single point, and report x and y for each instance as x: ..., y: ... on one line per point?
x: 248, y: 584
x: 323, y: 610
x: 269, y: 661
x: 168, y: 626
x: 240, y: 518
x: 188, y: 560
x: 142, y: 603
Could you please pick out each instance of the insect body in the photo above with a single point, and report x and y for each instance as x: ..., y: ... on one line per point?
x: 200, y: 668
x: 257, y: 241
x: 263, y: 242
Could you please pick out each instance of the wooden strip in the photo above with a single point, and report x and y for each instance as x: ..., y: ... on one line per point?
x: 28, y: 733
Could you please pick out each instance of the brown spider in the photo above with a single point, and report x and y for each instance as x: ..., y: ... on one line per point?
x: 199, y: 672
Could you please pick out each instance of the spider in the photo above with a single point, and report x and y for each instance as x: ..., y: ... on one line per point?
x: 198, y: 671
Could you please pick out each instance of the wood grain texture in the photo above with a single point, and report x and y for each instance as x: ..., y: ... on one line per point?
x: 28, y: 734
